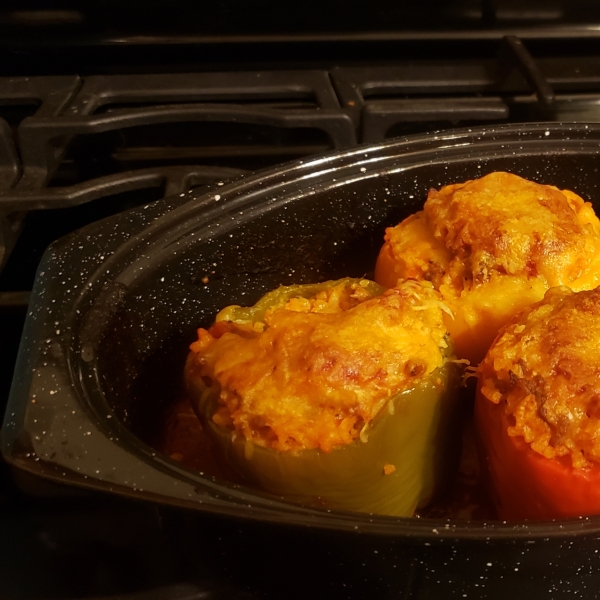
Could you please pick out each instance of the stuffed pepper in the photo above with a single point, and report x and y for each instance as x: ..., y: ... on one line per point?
x: 537, y: 411
x: 340, y: 394
x: 492, y: 246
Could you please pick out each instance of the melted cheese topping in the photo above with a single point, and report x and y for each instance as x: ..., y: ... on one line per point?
x: 493, y: 246
x: 318, y: 370
x: 546, y: 367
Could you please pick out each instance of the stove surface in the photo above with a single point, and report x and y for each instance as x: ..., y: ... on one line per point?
x: 76, y: 148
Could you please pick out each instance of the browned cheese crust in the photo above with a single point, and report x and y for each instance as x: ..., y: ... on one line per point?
x: 545, y: 366
x: 503, y: 224
x: 316, y: 371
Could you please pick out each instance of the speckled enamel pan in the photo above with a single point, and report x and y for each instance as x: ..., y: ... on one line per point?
x: 116, y: 304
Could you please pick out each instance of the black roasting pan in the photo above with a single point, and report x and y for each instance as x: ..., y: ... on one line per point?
x: 116, y: 305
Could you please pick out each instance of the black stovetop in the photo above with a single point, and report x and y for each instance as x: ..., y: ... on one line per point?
x: 104, y: 131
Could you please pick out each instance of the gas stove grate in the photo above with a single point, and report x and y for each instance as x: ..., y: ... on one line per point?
x: 76, y: 149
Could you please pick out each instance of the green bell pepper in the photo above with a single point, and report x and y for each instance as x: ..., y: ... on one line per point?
x: 404, y: 457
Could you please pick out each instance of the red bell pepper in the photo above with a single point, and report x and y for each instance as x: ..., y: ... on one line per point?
x: 525, y: 484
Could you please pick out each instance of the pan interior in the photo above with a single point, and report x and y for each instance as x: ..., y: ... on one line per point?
x: 331, y: 232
